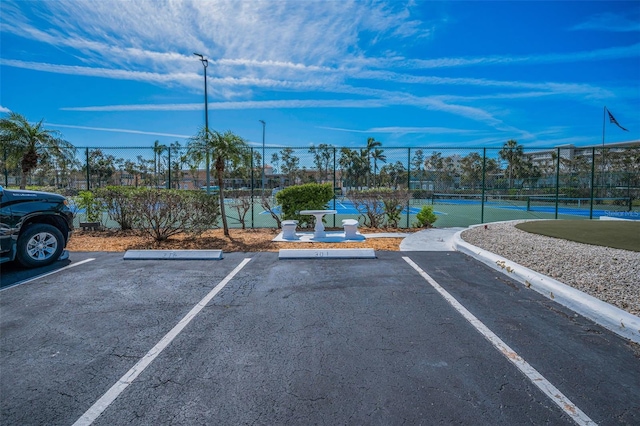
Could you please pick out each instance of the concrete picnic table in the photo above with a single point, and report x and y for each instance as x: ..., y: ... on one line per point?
x: 319, y: 214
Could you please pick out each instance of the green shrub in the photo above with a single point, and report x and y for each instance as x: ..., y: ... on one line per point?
x: 118, y: 201
x: 426, y: 217
x: 310, y: 196
x: 92, y: 205
x: 162, y: 213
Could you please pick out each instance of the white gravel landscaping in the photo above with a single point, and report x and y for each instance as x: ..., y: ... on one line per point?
x: 611, y: 275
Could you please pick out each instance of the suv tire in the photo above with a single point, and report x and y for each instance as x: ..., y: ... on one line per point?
x: 39, y: 245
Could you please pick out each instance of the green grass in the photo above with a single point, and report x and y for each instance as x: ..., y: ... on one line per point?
x: 608, y: 233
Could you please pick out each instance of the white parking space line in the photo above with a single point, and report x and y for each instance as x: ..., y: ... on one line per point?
x: 73, y: 265
x: 536, y: 378
x: 101, y: 404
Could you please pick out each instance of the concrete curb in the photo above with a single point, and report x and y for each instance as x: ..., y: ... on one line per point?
x: 610, y: 317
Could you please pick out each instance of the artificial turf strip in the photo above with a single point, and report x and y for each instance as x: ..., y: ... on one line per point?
x: 608, y: 233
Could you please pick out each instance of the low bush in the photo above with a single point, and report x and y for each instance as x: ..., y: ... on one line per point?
x: 166, y: 212
x: 268, y: 205
x: 240, y: 202
x: 426, y: 217
x: 118, y: 201
x: 380, y: 207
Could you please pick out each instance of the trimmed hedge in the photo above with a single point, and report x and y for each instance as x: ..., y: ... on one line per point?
x: 310, y: 196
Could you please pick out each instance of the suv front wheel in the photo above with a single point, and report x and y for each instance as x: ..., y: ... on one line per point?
x: 39, y: 245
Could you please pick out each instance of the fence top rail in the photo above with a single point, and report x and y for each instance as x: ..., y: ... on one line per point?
x: 635, y: 145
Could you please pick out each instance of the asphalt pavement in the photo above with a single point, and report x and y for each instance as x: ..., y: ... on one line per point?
x: 251, y: 339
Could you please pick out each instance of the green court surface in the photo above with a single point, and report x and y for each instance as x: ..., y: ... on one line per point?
x: 608, y: 233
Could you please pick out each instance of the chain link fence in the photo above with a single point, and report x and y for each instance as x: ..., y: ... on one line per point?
x: 465, y: 186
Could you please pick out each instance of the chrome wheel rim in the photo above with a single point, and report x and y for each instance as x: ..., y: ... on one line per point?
x: 42, y: 246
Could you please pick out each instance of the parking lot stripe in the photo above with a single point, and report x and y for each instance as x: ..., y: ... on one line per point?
x: 47, y: 274
x: 536, y: 378
x: 101, y: 404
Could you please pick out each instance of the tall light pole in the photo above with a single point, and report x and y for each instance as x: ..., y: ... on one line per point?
x: 263, y: 160
x: 205, y: 64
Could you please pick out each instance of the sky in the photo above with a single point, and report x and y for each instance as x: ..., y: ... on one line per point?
x: 407, y: 73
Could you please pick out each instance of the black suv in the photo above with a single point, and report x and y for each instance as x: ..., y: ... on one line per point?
x: 34, y: 227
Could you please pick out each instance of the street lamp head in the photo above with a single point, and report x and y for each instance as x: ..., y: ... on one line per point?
x: 262, y: 121
x: 202, y: 59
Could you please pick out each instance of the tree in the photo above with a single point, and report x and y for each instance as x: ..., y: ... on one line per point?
x: 471, y: 170
x: 393, y: 174
x: 158, y: 149
x: 101, y: 166
x: 491, y: 171
x: 512, y: 153
x: 417, y: 162
x: 28, y: 144
x: 354, y: 166
x: 290, y: 164
x: 377, y: 155
x: 224, y: 147
x: 371, y: 145
x: 434, y: 164
x: 177, y: 161
x: 322, y: 156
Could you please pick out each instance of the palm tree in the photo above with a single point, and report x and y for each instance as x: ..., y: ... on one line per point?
x: 226, y: 147
x: 377, y: 155
x: 512, y: 153
x: 27, y: 143
x: 371, y: 145
x: 158, y: 149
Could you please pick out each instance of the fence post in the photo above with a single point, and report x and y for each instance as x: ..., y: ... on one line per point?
x: 593, y: 172
x: 408, y: 184
x: 484, y: 171
x: 334, y: 185
x: 169, y: 161
x: 557, y: 180
x: 88, y: 174
x: 6, y: 171
x: 251, y: 164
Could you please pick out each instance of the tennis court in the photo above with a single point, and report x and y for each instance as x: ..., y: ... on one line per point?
x: 539, y: 206
x: 346, y: 207
x: 452, y: 210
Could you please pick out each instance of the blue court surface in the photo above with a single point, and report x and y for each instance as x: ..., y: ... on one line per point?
x: 348, y: 208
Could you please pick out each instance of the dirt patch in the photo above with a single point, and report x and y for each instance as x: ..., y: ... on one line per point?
x: 249, y: 240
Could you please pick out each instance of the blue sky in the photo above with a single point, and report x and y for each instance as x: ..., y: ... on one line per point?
x: 410, y: 74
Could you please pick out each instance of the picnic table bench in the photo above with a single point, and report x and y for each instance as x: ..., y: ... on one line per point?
x: 319, y: 214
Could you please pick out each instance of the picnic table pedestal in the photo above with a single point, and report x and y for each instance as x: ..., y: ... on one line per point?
x: 319, y: 214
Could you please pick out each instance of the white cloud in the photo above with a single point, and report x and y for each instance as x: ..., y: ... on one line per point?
x: 4, y: 109
x: 403, y: 130
x: 292, y: 103
x: 106, y: 129
x: 309, y: 32
x: 610, y: 22
x: 545, y: 87
x: 592, y: 55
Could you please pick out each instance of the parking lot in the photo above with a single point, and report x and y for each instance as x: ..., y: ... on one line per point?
x: 251, y: 339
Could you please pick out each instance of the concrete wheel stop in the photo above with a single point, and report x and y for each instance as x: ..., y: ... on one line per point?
x: 173, y: 255
x: 362, y: 253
